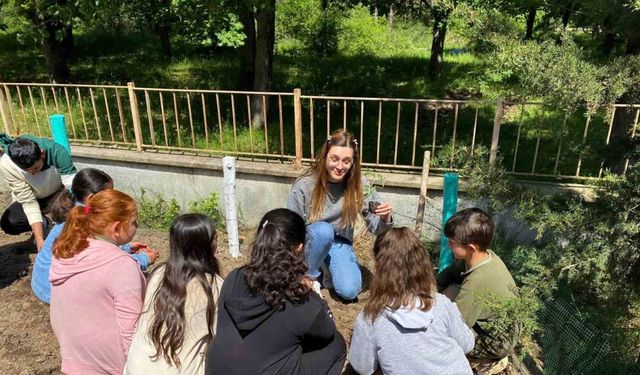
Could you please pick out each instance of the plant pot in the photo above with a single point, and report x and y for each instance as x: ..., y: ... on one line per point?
x: 373, y: 206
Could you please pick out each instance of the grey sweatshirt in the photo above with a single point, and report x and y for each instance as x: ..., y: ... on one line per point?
x: 300, y: 202
x: 410, y: 341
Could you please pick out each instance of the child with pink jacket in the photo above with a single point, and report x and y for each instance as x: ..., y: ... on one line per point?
x: 97, y: 289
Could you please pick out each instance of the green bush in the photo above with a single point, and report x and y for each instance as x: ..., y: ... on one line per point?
x: 297, y: 19
x: 589, y: 246
x: 156, y: 212
x: 560, y: 74
x: 304, y: 20
x: 210, y: 207
x: 483, y: 27
x: 364, y: 34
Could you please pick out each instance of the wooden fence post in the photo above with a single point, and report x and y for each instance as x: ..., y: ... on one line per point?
x: 422, y: 201
x: 495, y: 137
x: 297, y: 111
x: 135, y: 114
x: 6, y: 119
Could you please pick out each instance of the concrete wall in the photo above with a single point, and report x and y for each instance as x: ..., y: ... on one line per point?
x: 260, y: 186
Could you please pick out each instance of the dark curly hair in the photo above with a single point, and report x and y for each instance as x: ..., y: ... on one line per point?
x: 276, y: 269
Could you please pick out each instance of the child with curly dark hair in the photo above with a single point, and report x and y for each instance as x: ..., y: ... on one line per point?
x: 269, y: 320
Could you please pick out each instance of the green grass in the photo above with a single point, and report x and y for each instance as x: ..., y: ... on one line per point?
x: 395, y: 68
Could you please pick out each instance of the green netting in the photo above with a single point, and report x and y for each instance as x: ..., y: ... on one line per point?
x: 571, y: 344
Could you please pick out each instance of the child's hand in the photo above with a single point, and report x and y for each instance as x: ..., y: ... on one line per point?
x: 151, y: 253
x: 137, y: 246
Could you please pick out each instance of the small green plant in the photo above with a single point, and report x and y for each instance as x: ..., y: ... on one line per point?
x: 373, y: 180
x: 210, y: 207
x: 156, y: 212
x: 370, y: 190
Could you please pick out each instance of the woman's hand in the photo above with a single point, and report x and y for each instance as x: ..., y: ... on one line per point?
x: 384, y: 211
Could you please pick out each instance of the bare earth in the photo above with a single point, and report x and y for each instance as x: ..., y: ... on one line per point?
x: 27, y: 343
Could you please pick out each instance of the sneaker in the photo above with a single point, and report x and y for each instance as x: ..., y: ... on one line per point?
x: 492, y: 368
x: 327, y: 281
x: 498, y: 367
x: 316, y: 288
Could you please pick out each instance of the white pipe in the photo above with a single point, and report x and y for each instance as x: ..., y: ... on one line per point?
x: 230, y: 206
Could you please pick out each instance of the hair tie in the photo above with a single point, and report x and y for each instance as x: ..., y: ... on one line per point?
x: 86, y: 210
x: 265, y: 223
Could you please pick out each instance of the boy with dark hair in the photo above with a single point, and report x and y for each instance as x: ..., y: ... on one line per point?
x: 34, y: 169
x: 477, y: 271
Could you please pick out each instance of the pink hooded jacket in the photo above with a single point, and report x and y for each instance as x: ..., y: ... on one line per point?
x: 96, y: 298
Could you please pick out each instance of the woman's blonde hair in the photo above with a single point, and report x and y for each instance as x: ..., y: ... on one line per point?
x: 352, y: 182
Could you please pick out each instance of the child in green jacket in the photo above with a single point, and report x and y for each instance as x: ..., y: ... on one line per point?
x: 476, y: 273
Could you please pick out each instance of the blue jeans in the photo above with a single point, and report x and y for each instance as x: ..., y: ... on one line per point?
x: 323, y: 246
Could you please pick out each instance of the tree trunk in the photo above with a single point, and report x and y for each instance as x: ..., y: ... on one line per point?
x: 608, y: 43
x: 390, y: 17
x: 565, y: 17
x: 56, y: 52
x: 633, y: 44
x: 437, y: 47
x: 265, y: 42
x: 248, y: 50
x: 68, y: 41
x: 163, y: 31
x: 609, y: 39
x: 531, y: 19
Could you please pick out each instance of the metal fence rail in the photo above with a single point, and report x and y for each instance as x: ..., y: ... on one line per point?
x: 528, y: 138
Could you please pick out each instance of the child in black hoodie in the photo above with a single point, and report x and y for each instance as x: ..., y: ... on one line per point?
x: 269, y: 321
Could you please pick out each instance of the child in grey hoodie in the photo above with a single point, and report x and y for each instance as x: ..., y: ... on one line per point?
x: 406, y: 327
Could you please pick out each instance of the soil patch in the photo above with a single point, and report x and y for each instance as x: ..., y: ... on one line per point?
x: 27, y: 343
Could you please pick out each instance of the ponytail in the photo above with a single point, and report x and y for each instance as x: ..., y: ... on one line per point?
x: 101, y: 210
x: 73, y: 238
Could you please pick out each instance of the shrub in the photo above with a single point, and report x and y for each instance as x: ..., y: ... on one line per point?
x: 210, y: 207
x: 591, y: 246
x: 304, y: 20
x: 156, y: 212
x: 560, y: 74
